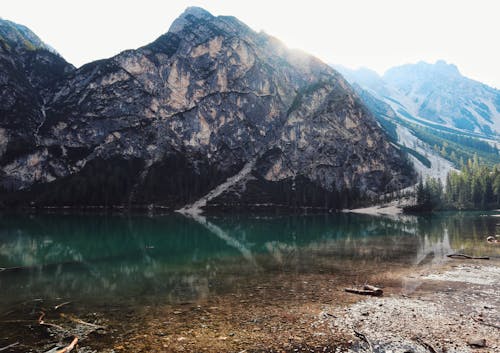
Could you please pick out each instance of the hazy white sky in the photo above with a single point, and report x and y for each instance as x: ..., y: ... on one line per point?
x: 376, y: 34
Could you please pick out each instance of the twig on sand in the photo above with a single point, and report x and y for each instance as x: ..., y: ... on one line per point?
x: 9, y: 346
x: 463, y: 256
x: 363, y: 338
x: 367, y: 290
x: 424, y: 344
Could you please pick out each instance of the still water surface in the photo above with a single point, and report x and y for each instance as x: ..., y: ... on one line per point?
x: 171, y: 259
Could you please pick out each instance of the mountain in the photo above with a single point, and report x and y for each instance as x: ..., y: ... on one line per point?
x: 209, y: 114
x: 436, y: 93
x: 439, y: 93
x: 437, y: 115
x: 28, y: 72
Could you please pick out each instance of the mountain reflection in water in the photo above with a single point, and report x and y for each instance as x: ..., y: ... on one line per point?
x: 174, y: 258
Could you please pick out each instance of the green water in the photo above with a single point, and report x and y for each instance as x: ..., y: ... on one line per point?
x: 171, y: 259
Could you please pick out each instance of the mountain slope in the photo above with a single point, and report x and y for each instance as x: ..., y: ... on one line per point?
x: 170, y: 121
x: 29, y: 70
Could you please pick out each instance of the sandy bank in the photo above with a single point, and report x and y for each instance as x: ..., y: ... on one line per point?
x: 390, y: 210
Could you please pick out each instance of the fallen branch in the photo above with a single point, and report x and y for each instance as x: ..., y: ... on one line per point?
x: 367, y: 290
x: 463, y: 256
x: 69, y: 347
x: 9, y: 346
x: 78, y: 321
x: 43, y: 323
x: 427, y: 346
x: 365, y: 339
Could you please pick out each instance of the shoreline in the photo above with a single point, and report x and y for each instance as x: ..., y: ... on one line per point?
x: 455, y: 308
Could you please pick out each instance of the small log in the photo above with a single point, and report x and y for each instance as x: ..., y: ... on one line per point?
x: 378, y: 291
x: 367, y: 290
x: 463, y: 256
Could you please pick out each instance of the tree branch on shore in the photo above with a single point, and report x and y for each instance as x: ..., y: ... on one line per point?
x: 463, y: 256
x: 367, y: 290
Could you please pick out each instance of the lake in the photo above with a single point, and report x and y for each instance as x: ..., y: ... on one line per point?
x: 116, y: 265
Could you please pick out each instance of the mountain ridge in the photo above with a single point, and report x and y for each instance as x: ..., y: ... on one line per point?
x: 167, y: 123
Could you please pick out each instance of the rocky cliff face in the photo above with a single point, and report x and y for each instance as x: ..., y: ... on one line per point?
x: 171, y: 121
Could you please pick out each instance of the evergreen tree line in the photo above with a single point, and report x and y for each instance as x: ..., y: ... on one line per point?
x: 456, y: 148
x: 475, y: 187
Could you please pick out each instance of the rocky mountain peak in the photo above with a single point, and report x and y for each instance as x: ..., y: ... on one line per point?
x: 444, y: 67
x: 422, y: 71
x: 210, y: 111
x: 188, y: 17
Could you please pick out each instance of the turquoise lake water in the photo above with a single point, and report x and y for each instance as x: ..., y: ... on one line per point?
x: 173, y: 258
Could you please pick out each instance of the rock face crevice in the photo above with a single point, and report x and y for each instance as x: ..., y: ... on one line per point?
x: 183, y: 115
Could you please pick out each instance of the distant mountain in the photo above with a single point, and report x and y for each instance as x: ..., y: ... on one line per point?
x: 210, y: 114
x: 436, y: 93
x: 439, y: 93
x: 450, y: 117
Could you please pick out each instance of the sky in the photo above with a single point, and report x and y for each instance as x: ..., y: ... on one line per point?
x: 376, y: 34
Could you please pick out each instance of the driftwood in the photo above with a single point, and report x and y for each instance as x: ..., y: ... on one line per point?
x: 9, y: 346
x: 463, y: 256
x: 365, y: 339
x: 367, y: 290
